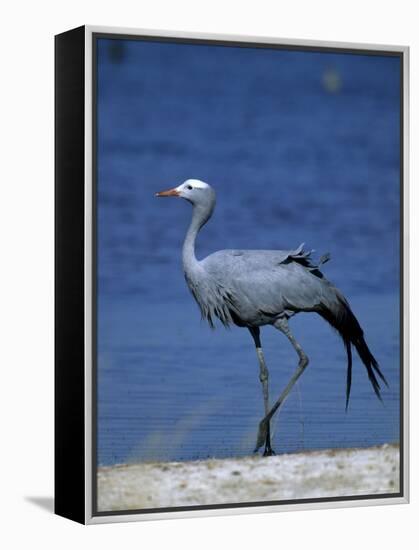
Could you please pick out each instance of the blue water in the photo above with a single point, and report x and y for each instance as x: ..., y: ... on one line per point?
x: 300, y: 147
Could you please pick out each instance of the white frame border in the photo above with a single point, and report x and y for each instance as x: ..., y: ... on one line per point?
x: 125, y: 517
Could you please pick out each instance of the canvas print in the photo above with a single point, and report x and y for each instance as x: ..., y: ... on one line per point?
x: 248, y: 279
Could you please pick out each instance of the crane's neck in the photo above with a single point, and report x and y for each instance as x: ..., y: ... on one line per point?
x: 200, y: 216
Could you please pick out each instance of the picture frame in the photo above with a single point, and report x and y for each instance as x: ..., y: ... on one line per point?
x: 78, y: 225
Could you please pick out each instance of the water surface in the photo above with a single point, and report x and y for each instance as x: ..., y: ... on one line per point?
x: 300, y: 147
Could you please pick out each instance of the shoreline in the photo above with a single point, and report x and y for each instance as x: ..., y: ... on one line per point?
x: 305, y: 474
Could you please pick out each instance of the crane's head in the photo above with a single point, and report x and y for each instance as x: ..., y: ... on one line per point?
x: 197, y: 192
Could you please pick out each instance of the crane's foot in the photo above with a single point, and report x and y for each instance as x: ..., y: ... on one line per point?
x: 264, y: 438
x: 269, y: 451
x: 263, y: 432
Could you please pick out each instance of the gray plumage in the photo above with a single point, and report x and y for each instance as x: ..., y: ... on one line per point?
x: 252, y: 288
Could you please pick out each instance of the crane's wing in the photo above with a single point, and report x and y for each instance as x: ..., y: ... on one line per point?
x: 268, y: 282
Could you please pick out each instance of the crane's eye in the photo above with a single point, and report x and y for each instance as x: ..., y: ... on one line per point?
x: 189, y: 187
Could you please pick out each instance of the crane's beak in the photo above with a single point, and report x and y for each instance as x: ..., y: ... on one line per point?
x: 169, y: 193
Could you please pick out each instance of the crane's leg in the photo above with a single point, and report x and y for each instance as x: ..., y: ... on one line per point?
x: 263, y: 377
x: 264, y: 425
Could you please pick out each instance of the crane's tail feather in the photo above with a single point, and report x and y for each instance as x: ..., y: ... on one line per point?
x: 348, y: 373
x: 340, y: 316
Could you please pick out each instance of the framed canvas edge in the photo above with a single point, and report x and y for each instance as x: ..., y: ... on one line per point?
x: 128, y: 516
x: 266, y: 509
x: 240, y: 38
x: 88, y: 274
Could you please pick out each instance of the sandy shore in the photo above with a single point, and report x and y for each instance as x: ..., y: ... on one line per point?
x: 329, y: 473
